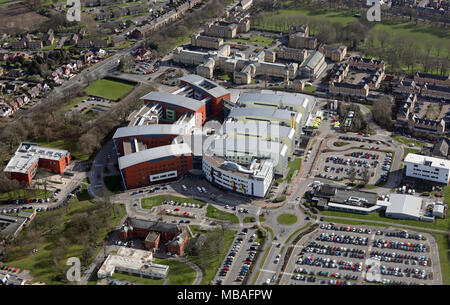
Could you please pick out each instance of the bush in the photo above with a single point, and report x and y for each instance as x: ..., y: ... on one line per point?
x: 279, y: 199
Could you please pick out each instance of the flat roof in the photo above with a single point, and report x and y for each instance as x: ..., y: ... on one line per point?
x: 132, y: 259
x: 434, y: 162
x: 29, y: 153
x: 404, y: 204
x: 154, y: 154
x: 259, y: 170
x: 270, y: 113
x: 263, y: 129
x: 153, y: 129
x: 280, y: 98
x: 174, y: 99
x: 226, y: 146
x: 205, y: 84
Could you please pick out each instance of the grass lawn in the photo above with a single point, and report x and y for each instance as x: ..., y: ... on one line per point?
x: 123, y: 45
x: 259, y: 40
x: 439, y: 224
x: 225, y: 77
x: 444, y: 256
x: 24, y: 194
x: 113, y: 183
x: 407, y: 151
x: 212, y: 261
x: 66, y: 144
x: 447, y: 194
x: 150, y: 202
x: 51, y: 47
x: 90, y: 114
x: 287, y: 219
x: 262, y: 219
x: 309, y: 89
x: 293, y: 166
x: 41, y: 264
x: 249, y: 219
x: 110, y: 89
x: 296, y: 232
x: 212, y: 212
x: 339, y: 144
x: 406, y: 141
x: 74, y: 102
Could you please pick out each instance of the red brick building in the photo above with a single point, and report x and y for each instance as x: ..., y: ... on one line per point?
x: 175, y: 106
x: 210, y: 93
x: 29, y: 157
x: 173, y: 236
x: 163, y: 163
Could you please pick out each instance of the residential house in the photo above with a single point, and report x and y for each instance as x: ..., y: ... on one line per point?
x: 434, y: 91
x: 366, y: 63
x: 15, y: 73
x: 432, y: 79
x: 407, y: 87
x: 361, y: 90
x: 19, y: 44
x: 84, y: 43
x: 49, y: 38
x: 102, y: 43
x: 35, y: 45
x: 10, y: 88
x: 335, y: 53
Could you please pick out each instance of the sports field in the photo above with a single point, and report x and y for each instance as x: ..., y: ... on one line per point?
x: 109, y: 89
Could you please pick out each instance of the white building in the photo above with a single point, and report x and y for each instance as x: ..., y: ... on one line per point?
x: 253, y: 181
x: 261, y: 131
x: 134, y: 261
x: 427, y: 168
x: 243, y: 151
x: 404, y: 207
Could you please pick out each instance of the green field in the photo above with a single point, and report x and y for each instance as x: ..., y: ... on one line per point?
x: 407, y: 141
x: 309, y: 89
x: 293, y: 166
x: 212, y: 255
x: 109, y: 89
x: 287, y: 219
x: 149, y: 203
x: 257, y: 39
x: 407, y: 151
x: 212, y: 212
x: 447, y: 194
x: 55, y: 235
x: 249, y: 219
x: 123, y: 45
x: 24, y: 194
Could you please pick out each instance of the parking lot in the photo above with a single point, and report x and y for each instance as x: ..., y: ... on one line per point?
x: 95, y: 104
x: 347, y: 255
x: 338, y: 165
x: 238, y: 261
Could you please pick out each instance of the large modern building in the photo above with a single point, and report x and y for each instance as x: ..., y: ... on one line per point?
x: 153, y: 165
x: 29, y: 157
x: 270, y: 115
x: 253, y: 180
x: 297, y: 102
x: 206, y: 91
x: 244, y: 150
x: 174, y: 106
x: 427, y: 168
x: 261, y: 131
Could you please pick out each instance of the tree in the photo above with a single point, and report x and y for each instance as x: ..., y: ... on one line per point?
x: 365, y: 176
x: 352, y: 175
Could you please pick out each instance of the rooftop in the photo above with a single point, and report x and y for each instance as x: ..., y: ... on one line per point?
x: 153, y: 154
x: 206, y: 85
x: 428, y: 161
x: 29, y: 153
x: 154, y: 129
x: 404, y: 204
x: 174, y: 99
x: 270, y: 113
